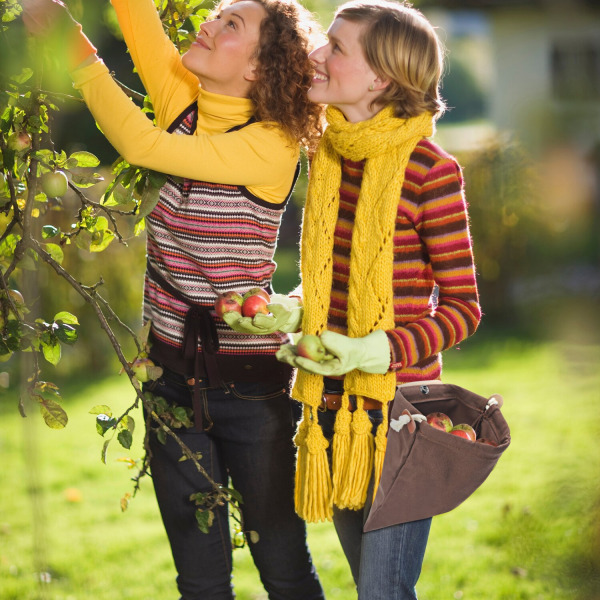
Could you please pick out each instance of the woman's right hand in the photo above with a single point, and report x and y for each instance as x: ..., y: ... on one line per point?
x: 45, y: 17
x: 41, y: 17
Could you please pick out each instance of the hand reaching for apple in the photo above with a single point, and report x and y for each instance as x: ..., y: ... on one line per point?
x: 341, y: 354
x: 41, y: 17
x: 45, y: 17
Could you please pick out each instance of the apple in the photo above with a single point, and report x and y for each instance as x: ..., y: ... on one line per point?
x: 5, y: 357
x: 140, y: 368
x: 310, y: 346
x: 440, y: 421
x: 487, y: 441
x: 256, y: 291
x: 55, y: 184
x: 228, y: 302
x: 464, y: 431
x: 17, y: 298
x: 19, y: 141
x: 255, y: 304
x: 18, y: 301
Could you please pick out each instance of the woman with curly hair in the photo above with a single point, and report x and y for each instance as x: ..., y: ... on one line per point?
x: 230, y: 115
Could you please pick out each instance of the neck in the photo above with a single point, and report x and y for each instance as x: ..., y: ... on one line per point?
x: 356, y: 113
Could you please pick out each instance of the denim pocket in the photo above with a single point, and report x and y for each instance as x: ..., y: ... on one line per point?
x: 257, y: 390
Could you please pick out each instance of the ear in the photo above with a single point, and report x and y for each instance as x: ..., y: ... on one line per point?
x: 379, y: 84
x: 250, y: 73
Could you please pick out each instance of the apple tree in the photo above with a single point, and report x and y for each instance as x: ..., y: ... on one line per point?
x: 35, y: 176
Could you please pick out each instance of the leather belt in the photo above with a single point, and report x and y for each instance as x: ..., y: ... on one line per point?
x: 334, y: 402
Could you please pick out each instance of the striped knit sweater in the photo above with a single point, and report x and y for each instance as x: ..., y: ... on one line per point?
x: 205, y: 239
x: 435, y: 294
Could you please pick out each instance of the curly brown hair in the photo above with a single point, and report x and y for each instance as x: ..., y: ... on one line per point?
x: 288, y: 33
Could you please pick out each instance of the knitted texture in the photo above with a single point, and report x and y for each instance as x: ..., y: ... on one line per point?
x: 207, y: 238
x: 387, y: 143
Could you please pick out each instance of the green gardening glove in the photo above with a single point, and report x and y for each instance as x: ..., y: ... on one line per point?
x: 286, y: 316
x: 370, y: 354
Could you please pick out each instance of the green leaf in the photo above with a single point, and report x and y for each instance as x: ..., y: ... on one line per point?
x: 56, y: 252
x: 23, y: 76
x: 161, y: 436
x: 86, y: 181
x: 180, y: 413
x: 101, y: 239
x: 122, y: 195
x: 49, y: 231
x: 53, y: 413
x: 66, y: 333
x: 125, y: 438
x: 66, y: 317
x: 205, y: 519
x: 83, y: 239
x: 85, y: 159
x: 150, y: 199
x: 128, y: 423
x: 235, y: 495
x: 157, y: 179
x: 104, y: 423
x: 100, y: 409
x: 51, y: 352
x: 140, y: 227
x: 254, y: 537
x: 104, y: 449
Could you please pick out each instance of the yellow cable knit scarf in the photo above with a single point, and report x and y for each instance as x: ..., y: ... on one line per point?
x: 387, y: 143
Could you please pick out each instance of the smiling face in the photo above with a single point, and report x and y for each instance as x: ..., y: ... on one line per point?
x: 222, y: 55
x: 342, y: 76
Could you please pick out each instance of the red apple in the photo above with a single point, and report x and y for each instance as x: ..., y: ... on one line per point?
x: 256, y: 291
x: 310, y: 346
x: 255, y: 304
x: 55, y: 184
x: 228, y: 302
x: 19, y: 141
x: 464, y: 431
x: 440, y: 421
x: 486, y: 441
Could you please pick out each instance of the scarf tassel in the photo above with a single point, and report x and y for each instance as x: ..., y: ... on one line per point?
x: 341, y: 447
x: 359, y: 470
x: 380, y: 447
x: 313, y: 480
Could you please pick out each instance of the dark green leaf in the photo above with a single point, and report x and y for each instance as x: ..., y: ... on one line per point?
x: 125, y: 438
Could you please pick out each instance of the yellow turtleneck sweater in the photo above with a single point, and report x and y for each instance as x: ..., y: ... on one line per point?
x: 259, y: 157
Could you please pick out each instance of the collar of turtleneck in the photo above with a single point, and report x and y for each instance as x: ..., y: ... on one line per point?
x: 217, y: 113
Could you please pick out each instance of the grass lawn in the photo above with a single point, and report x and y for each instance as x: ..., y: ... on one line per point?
x: 532, y: 531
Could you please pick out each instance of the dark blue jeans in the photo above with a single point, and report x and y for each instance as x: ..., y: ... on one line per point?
x: 247, y: 445
x: 385, y: 563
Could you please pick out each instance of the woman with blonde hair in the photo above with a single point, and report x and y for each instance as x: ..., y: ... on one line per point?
x: 388, y: 277
x: 231, y: 115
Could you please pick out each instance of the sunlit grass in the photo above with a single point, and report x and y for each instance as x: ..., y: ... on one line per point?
x: 530, y: 532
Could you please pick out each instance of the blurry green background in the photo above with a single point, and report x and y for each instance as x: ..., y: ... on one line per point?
x: 523, y: 87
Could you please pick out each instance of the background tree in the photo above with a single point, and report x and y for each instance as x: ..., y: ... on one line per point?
x: 52, y: 219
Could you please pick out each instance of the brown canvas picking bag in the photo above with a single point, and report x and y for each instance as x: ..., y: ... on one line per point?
x: 427, y: 471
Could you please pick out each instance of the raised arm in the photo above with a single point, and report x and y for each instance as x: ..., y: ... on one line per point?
x: 169, y: 84
x: 258, y: 156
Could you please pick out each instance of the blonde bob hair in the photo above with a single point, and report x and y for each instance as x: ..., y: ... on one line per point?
x: 401, y: 46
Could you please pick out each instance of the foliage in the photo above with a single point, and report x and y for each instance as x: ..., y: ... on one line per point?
x: 35, y: 177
